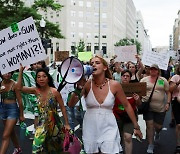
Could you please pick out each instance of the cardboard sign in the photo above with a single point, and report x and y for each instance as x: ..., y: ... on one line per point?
x: 138, y: 88
x: 125, y: 53
x: 159, y: 58
x: 20, y: 43
x: 61, y: 55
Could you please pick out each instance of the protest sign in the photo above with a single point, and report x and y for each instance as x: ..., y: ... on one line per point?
x: 131, y: 88
x: 159, y: 58
x: 61, y: 55
x: 84, y: 56
x: 125, y: 53
x: 20, y: 43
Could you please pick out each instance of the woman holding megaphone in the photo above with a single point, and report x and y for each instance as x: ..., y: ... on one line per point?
x: 100, y: 130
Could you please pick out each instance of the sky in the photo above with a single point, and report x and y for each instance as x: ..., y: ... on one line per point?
x: 159, y: 17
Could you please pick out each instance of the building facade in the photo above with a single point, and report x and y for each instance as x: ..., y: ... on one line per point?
x: 99, y: 23
x: 141, y: 33
x: 176, y: 33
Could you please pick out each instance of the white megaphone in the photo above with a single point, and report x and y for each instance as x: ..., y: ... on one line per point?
x: 72, y: 70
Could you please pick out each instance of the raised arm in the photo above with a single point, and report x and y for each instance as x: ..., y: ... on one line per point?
x: 141, y: 67
x: 20, y: 87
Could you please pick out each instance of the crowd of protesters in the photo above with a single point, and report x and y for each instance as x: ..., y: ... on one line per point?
x: 110, y: 119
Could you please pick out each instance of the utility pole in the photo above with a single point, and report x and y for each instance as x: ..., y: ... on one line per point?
x: 99, y: 40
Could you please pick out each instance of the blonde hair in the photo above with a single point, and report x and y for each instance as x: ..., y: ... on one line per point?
x: 108, y: 73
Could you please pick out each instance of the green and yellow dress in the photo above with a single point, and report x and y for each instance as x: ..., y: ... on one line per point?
x: 49, y: 133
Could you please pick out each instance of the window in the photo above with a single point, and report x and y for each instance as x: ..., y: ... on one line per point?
x: 88, y: 25
x: 73, y: 2
x: 104, y: 4
x: 88, y: 14
x: 81, y: 24
x: 104, y: 15
x: 51, y: 14
x: 96, y: 25
x: 57, y: 14
x: 81, y: 3
x: 57, y: 46
x: 88, y: 47
x: 72, y: 34
x: 72, y: 24
x: 81, y: 35
x: 103, y: 36
x: 80, y: 14
x: 73, y: 13
x: 96, y: 4
x: 95, y: 35
x: 88, y: 4
x: 88, y: 35
x: 104, y: 25
x: 96, y: 14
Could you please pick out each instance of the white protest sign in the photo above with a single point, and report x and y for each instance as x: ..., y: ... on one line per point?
x: 159, y: 58
x: 125, y: 53
x: 20, y: 43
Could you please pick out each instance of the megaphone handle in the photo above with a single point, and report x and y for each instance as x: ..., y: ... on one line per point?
x: 61, y: 85
x: 63, y: 82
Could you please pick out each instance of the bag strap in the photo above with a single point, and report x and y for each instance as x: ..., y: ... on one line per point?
x: 153, y: 90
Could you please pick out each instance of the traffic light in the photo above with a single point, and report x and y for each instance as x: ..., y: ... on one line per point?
x: 46, y: 43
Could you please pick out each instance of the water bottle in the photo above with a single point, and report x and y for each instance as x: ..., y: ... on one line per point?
x: 23, y: 128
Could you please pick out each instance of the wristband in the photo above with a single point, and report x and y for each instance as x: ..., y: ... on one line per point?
x: 136, y: 128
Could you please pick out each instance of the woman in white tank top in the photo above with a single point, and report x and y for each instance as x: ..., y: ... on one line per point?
x: 100, y: 130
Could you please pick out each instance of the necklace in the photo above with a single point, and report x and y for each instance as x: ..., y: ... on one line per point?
x: 101, y: 85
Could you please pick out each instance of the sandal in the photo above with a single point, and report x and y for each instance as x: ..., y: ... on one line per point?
x: 177, y: 151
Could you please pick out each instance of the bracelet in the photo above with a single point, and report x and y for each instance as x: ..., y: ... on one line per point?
x: 137, y: 128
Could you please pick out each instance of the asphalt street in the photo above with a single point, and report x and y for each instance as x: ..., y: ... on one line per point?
x: 166, y: 145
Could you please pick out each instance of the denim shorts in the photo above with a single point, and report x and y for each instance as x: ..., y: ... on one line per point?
x: 9, y: 111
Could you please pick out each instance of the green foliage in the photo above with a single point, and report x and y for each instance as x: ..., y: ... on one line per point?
x: 81, y: 46
x: 15, y: 11
x: 126, y: 42
x: 45, y: 4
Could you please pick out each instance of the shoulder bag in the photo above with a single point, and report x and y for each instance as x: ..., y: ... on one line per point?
x: 144, y: 107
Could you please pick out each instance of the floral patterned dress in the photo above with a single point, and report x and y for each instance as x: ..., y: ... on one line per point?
x: 49, y: 133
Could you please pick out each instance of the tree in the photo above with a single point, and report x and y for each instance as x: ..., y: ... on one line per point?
x: 79, y: 48
x: 16, y: 11
x: 126, y: 41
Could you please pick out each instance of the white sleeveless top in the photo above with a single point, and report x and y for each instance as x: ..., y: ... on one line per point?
x: 100, y: 130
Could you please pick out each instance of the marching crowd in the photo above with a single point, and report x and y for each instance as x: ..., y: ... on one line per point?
x: 111, y: 117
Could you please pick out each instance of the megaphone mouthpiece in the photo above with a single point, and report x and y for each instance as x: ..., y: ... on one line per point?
x: 88, y: 69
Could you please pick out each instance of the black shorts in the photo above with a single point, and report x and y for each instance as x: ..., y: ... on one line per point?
x: 157, y: 117
x: 176, y: 110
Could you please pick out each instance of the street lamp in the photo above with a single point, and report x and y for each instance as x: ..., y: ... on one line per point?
x: 42, y: 25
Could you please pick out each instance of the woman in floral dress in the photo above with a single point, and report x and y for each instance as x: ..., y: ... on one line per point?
x: 49, y: 133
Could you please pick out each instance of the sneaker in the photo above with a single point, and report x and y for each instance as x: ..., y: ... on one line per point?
x: 17, y: 151
x: 156, y: 137
x: 150, y: 148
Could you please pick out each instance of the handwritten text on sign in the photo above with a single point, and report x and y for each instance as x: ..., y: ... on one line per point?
x: 21, y: 46
x: 159, y: 58
x: 125, y: 53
